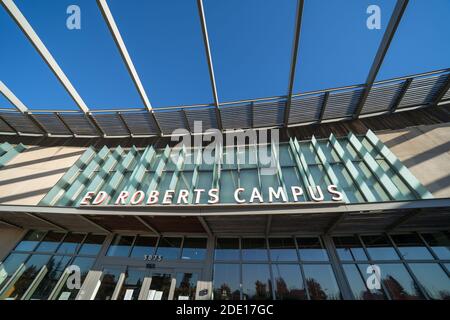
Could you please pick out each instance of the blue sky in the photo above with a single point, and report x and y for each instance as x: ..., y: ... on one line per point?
x: 251, y: 45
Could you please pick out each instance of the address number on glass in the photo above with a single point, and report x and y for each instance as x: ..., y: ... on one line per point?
x: 153, y: 257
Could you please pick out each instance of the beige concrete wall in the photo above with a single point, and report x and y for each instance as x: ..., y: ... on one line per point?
x: 425, y: 150
x: 8, y: 239
x: 31, y: 174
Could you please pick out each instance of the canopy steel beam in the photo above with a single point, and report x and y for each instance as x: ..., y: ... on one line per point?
x: 12, y: 98
x: 29, y: 32
x: 396, y: 17
x: 298, y: 27
x: 201, y: 13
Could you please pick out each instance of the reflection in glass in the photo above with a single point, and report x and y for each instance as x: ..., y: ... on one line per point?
x: 439, y: 243
x: 186, y: 286
x: 357, y: 276
x: 50, y: 242
x: 85, y: 264
x: 379, y: 247
x: 132, y: 284
x: 120, y: 246
x: 255, y: 282
x: 92, y: 244
x: 254, y: 249
x: 30, y: 241
x: 169, y: 248
x: 144, y: 245
x: 288, y: 282
x: 194, y: 249
x: 10, y: 265
x: 399, y: 283
x: 411, y: 247
x: 227, y: 249
x: 248, y: 179
x: 311, y: 249
x: 282, y: 249
x: 227, y: 184
x: 70, y: 243
x: 108, y: 283
x: 26, y: 276
x: 433, y: 279
x: 349, y: 248
x: 226, y: 282
x: 161, y: 285
x: 320, y: 282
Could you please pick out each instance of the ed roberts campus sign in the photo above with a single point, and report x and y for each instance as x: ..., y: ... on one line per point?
x: 280, y: 194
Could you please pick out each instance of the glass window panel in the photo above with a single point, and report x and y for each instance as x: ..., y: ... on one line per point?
x: 164, y: 184
x: 399, y: 283
x: 66, y: 293
x: 349, y: 248
x: 433, y: 279
x: 205, y: 180
x: 56, y: 267
x: 229, y: 158
x: 248, y: 179
x: 286, y: 157
x: 357, y: 281
x: 10, y: 265
x: 320, y: 282
x: 144, y: 245
x: 270, y: 180
x: 92, y: 244
x: 439, y: 243
x: 132, y: 283
x: 309, y: 153
x: 247, y: 157
x: 288, y: 282
x: 255, y: 282
x: 266, y: 157
x: 226, y: 282
x: 120, y: 246
x: 228, y: 184
x: 411, y: 246
x: 311, y: 249
x: 348, y: 148
x: 372, y: 183
x: 346, y: 183
x: 321, y: 179
x: 184, y: 182
x: 21, y: 283
x: 186, y: 286
x: 282, y: 249
x: 109, y: 280
x: 328, y: 151
x: 254, y: 249
x: 227, y: 249
x: 194, y: 249
x: 71, y: 243
x: 447, y: 266
x: 161, y: 283
x: 379, y: 247
x: 405, y: 192
x: 169, y: 248
x: 30, y: 241
x: 291, y: 178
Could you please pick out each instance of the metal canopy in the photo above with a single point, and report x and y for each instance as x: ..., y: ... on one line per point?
x: 335, y: 104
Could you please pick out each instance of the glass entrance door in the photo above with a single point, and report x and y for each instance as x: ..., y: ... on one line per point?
x: 161, y: 286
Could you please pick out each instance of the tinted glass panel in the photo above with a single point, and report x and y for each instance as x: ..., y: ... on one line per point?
x: 399, y: 283
x: 357, y: 280
x: 349, y: 248
x: 411, y: 246
x: 254, y: 249
x: 226, y: 282
x: 169, y: 248
x: 92, y: 244
x: 132, y: 284
x: 227, y: 249
x: 10, y: 265
x: 121, y: 246
x: 255, y: 282
x: 85, y: 265
x: 320, y: 282
x: 70, y: 243
x: 160, y: 286
x: 433, y: 279
x: 282, y: 249
x: 186, y: 286
x: 30, y: 241
x: 311, y: 249
x: 380, y: 248
x: 144, y: 245
x: 439, y: 243
x: 194, y: 249
x: 50, y: 242
x: 108, y: 284
x: 288, y: 282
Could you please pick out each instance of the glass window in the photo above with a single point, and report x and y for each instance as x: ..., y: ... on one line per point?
x: 320, y: 282
x: 311, y: 249
x: 160, y: 285
x: 379, y: 247
x: 30, y: 241
x: 349, y: 248
x: 373, y: 184
x: 56, y: 267
x: 92, y: 244
x: 255, y: 282
x: 71, y: 243
x: 169, y: 248
x: 286, y: 158
x: 228, y: 183
x: 226, y: 282
x: 10, y: 265
x: 248, y: 179
x: 433, y: 279
x: 399, y: 283
x: 254, y: 249
x: 270, y: 180
x: 357, y: 276
x: 121, y: 246
x: 186, y: 286
x: 204, y: 181
x: 288, y: 282
x: 227, y: 249
x: 109, y: 280
x: 144, y: 245
x: 194, y: 249
x: 291, y: 178
x: 411, y: 246
x: 50, y: 242
x: 439, y: 243
x: 85, y: 264
x: 282, y: 249
x: 132, y: 284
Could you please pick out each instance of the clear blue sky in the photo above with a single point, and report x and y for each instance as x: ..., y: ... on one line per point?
x: 251, y: 44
